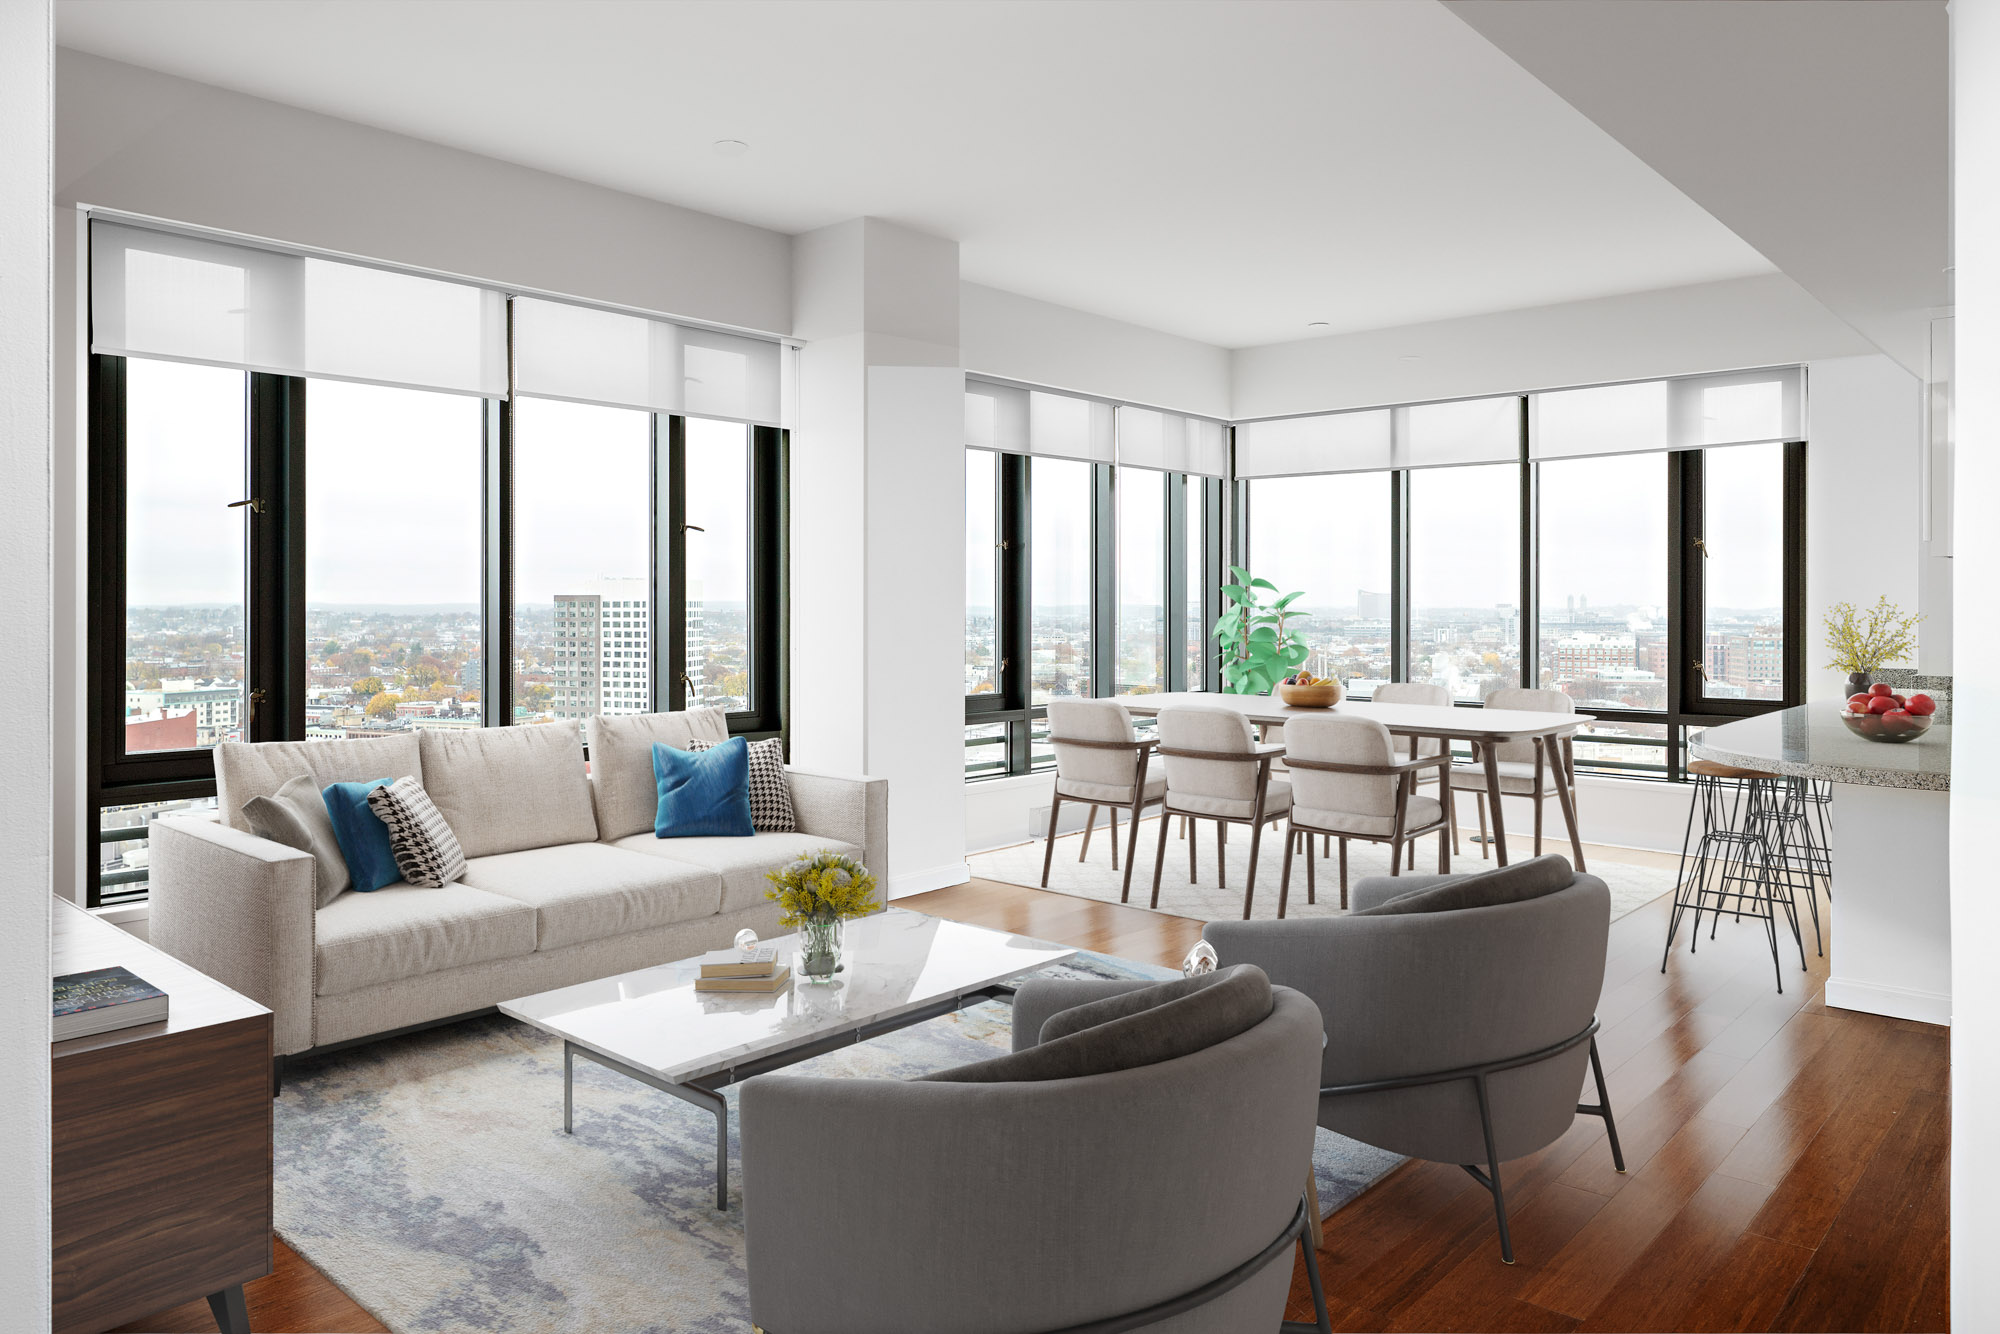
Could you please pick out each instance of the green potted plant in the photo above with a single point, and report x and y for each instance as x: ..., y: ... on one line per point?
x: 1863, y: 642
x: 1258, y: 650
x: 818, y: 893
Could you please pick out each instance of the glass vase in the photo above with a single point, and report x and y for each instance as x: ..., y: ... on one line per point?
x: 819, y: 949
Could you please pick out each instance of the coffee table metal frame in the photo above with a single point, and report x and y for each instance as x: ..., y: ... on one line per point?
x: 703, y: 1092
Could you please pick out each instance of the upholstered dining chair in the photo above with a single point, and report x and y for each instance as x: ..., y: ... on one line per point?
x: 1460, y: 1011
x: 1436, y: 696
x: 1348, y: 782
x: 1217, y: 771
x: 1532, y: 769
x: 1101, y: 761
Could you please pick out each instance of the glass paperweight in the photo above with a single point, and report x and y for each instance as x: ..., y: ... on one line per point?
x: 746, y: 940
x: 1201, y: 959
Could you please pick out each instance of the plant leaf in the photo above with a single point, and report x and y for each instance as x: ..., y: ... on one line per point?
x: 1263, y: 583
x: 1295, y: 654
x: 1288, y: 599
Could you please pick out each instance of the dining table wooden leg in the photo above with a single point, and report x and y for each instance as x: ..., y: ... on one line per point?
x: 1250, y: 879
x: 1312, y: 891
x: 1160, y: 862
x: 1541, y: 772
x: 1114, y: 836
x: 1491, y: 756
x: 1285, y: 876
x: 1191, y: 827
x: 1566, y: 796
x: 1485, y: 843
x: 1343, y: 874
x: 1222, y: 853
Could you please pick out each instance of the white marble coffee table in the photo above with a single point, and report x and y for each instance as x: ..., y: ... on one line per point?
x: 899, y: 968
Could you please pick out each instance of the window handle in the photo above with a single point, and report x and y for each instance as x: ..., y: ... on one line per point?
x: 1701, y: 545
x: 693, y: 528
x: 1702, y: 668
x: 256, y: 504
x: 256, y: 698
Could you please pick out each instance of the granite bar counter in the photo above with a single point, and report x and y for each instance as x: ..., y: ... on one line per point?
x: 1889, y: 925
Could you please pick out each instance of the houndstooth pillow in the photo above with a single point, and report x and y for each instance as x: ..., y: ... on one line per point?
x: 426, y: 851
x: 770, y: 792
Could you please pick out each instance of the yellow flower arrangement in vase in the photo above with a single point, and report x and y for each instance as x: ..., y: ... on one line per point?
x: 817, y: 893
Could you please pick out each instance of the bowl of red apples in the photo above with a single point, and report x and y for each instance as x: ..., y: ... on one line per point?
x: 1880, y: 714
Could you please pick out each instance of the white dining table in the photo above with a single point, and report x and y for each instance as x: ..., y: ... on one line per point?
x: 1484, y: 728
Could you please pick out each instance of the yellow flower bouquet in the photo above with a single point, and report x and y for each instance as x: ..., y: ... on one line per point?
x: 817, y: 893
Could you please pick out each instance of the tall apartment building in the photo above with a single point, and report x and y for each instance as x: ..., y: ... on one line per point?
x: 603, y: 657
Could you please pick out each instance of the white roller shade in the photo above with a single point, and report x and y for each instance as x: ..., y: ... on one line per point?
x: 1295, y: 446
x: 585, y: 355
x: 1171, y: 442
x: 1472, y: 430
x: 186, y: 298
x: 1032, y: 421
x: 1692, y: 412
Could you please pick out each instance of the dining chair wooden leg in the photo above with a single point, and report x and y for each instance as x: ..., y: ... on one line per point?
x: 1538, y: 824
x: 1285, y: 876
x: 1049, y: 854
x: 1312, y: 891
x: 1191, y: 827
x: 1413, y: 854
x: 1451, y: 813
x: 1250, y: 880
x: 1444, y: 852
x: 1566, y: 794
x: 1395, y: 856
x: 1160, y: 862
x: 1485, y: 843
x: 1089, y: 824
x: 1489, y: 757
x: 1184, y: 825
x: 1343, y: 873
x: 1222, y: 853
x: 1541, y: 786
x: 1114, y: 836
x: 1132, y: 850
x: 1327, y: 845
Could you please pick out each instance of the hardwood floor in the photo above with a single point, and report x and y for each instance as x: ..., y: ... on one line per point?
x: 1788, y: 1164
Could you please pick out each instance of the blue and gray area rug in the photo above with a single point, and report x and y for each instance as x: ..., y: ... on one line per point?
x: 429, y: 1177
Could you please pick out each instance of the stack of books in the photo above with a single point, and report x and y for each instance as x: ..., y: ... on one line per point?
x: 100, y: 1001
x: 755, y: 970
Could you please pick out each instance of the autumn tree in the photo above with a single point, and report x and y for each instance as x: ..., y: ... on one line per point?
x: 383, y: 705
x: 422, y: 676
x: 366, y: 686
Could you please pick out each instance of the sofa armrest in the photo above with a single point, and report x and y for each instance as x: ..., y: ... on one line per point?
x: 240, y: 909
x: 853, y: 810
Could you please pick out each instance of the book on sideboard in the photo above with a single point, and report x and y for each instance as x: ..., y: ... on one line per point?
x: 102, y: 1000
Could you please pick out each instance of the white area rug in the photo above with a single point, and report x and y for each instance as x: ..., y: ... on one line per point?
x: 1632, y: 886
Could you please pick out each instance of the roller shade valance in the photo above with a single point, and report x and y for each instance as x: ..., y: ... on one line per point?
x: 1424, y: 435
x: 1032, y: 421
x: 1689, y: 412
x: 190, y: 298
x: 1171, y: 442
x: 583, y: 354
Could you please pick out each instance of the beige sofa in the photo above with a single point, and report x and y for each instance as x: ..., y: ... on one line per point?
x: 564, y: 882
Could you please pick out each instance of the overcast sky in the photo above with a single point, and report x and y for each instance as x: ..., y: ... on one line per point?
x: 393, y: 484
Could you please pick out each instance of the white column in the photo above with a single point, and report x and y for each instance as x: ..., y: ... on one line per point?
x: 27, y: 45
x: 878, y: 532
x: 1975, y: 784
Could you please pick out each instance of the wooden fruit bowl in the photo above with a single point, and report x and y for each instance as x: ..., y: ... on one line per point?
x: 1322, y: 696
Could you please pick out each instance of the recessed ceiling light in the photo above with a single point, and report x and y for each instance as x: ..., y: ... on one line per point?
x: 1318, y: 324
x: 1410, y: 356
x: 731, y: 148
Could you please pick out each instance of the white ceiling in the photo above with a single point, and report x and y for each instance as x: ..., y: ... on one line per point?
x: 1226, y: 170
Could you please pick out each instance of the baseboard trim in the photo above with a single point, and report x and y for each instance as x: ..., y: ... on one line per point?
x: 922, y: 882
x: 1926, y: 1007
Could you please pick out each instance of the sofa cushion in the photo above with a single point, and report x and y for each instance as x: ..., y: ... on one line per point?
x: 621, y: 763
x: 590, y: 891
x: 1136, y: 1028
x: 246, y: 769
x: 297, y: 817
x: 502, y: 789
x: 363, y: 838
x: 741, y: 862
x: 1517, y: 883
x: 770, y: 791
x: 402, y: 931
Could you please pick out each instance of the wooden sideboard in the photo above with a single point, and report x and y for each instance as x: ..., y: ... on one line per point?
x: 161, y: 1151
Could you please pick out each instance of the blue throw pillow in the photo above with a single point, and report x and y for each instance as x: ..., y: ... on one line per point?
x: 363, y: 838
x: 703, y: 792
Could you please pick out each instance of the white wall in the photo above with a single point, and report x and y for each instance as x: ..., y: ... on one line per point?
x: 1675, y: 331
x: 149, y: 143
x: 26, y: 42
x: 1975, y: 785
x: 1019, y: 338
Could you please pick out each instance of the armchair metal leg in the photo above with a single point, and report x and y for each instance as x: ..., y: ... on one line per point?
x: 1603, y: 1108
x: 1049, y: 852
x: 1322, y: 1320
x: 1490, y: 1178
x: 1160, y: 862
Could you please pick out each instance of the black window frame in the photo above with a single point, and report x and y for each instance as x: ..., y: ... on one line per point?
x: 1010, y: 704
x: 1688, y: 709
x: 275, y: 649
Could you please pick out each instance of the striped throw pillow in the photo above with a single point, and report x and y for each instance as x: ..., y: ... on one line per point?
x: 426, y: 851
x: 770, y: 792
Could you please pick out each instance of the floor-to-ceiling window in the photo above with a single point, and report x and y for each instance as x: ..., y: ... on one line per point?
x: 434, y: 552
x: 1465, y: 578
x: 1142, y: 581
x: 1328, y: 539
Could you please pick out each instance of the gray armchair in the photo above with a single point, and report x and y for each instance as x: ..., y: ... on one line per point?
x: 1165, y: 1196
x: 1458, y: 1036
